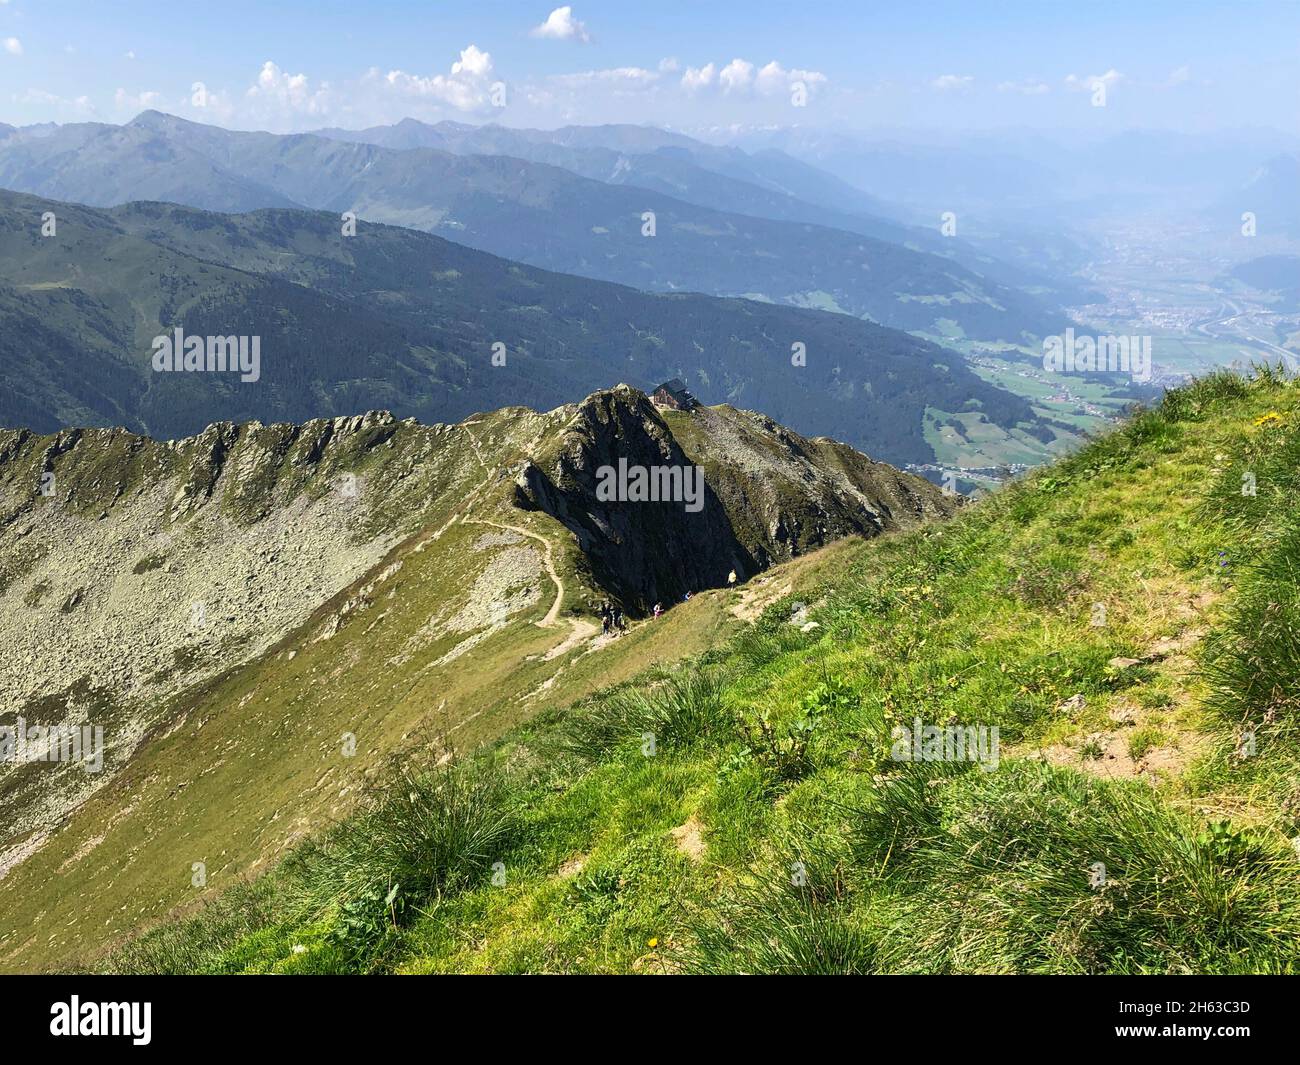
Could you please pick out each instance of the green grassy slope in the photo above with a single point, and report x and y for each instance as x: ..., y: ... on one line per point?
x: 454, y: 607
x: 1126, y: 618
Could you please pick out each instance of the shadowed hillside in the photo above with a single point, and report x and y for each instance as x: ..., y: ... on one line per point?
x: 399, y: 320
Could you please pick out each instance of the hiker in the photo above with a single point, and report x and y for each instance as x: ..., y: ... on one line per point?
x: 658, y: 610
x: 604, y: 618
x: 619, y: 623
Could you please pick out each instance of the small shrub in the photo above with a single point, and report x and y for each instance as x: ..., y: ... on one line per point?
x: 686, y: 707
x: 428, y: 835
x: 1143, y: 740
x: 776, y: 928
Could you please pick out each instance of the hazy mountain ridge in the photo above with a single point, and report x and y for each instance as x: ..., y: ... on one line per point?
x: 531, y: 212
x: 669, y: 162
x: 767, y: 184
x: 406, y: 321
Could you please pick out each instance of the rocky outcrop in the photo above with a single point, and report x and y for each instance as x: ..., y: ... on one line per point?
x: 768, y: 495
x: 641, y: 551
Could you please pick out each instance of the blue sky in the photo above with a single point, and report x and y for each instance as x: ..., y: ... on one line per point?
x: 694, y: 66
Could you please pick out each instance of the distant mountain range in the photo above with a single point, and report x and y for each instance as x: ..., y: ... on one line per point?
x: 398, y: 319
x: 552, y: 217
x: 768, y: 183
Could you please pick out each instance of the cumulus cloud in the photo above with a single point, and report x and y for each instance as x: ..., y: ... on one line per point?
x: 277, y: 94
x: 699, y: 77
x: 560, y: 25
x: 281, y: 100
x: 741, y: 77
x: 473, y: 62
x: 470, y: 87
x: 736, y: 75
x: 774, y: 76
x: 13, y: 46
x: 466, y: 88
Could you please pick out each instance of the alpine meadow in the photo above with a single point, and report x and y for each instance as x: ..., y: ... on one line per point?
x: 657, y: 489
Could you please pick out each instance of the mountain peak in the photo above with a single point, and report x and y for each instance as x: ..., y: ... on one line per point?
x: 153, y: 117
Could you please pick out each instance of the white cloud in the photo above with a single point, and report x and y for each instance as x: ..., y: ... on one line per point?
x: 1110, y: 79
x: 473, y: 62
x: 276, y: 95
x: 560, y: 25
x: 736, y: 75
x: 281, y: 100
x: 669, y: 65
x: 775, y: 78
x: 13, y: 46
x: 466, y: 88
x: 949, y: 82
x: 208, y: 105
x: 698, y: 77
x: 739, y: 77
x: 1181, y: 76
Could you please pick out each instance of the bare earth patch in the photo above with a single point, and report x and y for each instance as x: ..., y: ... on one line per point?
x: 689, y: 838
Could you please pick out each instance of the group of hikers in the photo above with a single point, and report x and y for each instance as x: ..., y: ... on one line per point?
x: 612, y: 619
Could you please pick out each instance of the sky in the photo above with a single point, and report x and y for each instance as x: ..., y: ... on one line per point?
x: 697, y: 66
